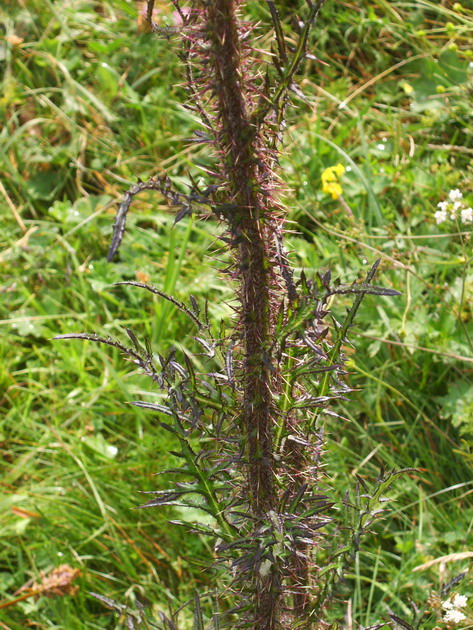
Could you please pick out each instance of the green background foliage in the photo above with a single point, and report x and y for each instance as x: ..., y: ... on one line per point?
x: 90, y: 101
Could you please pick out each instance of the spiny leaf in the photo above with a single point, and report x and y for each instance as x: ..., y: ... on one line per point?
x: 104, y: 340
x: 209, y: 347
x: 120, y: 219
x: 153, y: 406
x: 182, y: 307
x: 278, y: 32
x: 400, y: 623
x: 134, y: 340
x: 365, y: 289
x: 456, y: 580
x: 386, y: 482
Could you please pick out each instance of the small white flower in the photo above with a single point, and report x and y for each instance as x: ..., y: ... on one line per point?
x: 454, y: 616
x: 447, y: 604
x: 455, y: 195
x: 443, y: 205
x: 460, y: 601
x: 440, y: 216
x: 466, y: 217
x: 454, y: 208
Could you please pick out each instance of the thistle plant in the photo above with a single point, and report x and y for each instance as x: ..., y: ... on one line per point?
x: 250, y: 428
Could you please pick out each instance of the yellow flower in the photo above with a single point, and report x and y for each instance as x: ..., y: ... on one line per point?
x: 330, y: 180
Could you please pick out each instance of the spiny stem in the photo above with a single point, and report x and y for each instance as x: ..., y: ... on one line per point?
x: 251, y: 235
x: 238, y: 142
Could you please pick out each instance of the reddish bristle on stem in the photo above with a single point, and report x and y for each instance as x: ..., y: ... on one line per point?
x: 251, y: 228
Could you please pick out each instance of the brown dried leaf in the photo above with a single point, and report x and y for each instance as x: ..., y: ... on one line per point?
x: 58, y: 582
x: 14, y: 40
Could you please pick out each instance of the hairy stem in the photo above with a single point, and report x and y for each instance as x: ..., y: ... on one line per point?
x: 252, y: 236
x: 253, y: 243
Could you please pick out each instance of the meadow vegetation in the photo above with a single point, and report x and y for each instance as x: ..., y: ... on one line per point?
x: 90, y: 101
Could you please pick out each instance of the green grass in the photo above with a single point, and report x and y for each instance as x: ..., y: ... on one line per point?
x: 87, y: 105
